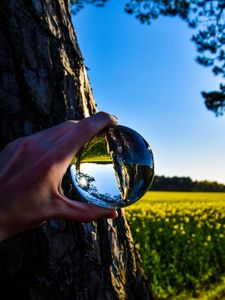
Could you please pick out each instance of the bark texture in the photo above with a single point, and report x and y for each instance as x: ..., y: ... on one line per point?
x: 43, y: 82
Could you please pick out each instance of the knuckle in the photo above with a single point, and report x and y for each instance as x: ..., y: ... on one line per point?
x: 71, y: 122
x: 105, y: 116
x: 101, y: 120
x: 67, y: 124
x: 28, y: 144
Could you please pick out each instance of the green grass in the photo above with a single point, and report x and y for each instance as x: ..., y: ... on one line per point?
x: 181, y: 238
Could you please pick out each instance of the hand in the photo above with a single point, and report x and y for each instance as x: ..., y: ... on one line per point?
x: 31, y: 173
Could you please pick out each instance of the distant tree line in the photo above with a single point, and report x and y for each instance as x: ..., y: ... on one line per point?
x: 162, y: 183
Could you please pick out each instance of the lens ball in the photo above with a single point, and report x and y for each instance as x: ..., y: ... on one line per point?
x: 115, y: 169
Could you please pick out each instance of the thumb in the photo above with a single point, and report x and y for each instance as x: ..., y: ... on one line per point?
x: 82, y: 212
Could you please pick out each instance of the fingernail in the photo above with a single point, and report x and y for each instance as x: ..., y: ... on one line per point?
x: 115, y: 119
x: 114, y: 214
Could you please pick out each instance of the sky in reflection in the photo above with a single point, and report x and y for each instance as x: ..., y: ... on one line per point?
x: 104, y: 175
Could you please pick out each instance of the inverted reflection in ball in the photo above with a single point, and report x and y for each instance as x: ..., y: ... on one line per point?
x: 115, y: 169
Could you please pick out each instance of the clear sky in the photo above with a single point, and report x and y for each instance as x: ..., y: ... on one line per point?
x: 147, y: 76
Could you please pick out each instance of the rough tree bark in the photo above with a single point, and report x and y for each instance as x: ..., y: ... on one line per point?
x: 42, y: 83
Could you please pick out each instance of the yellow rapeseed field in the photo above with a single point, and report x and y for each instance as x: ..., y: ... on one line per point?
x: 181, y: 238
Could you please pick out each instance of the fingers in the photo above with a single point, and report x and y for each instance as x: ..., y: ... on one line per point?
x: 70, y: 143
x: 41, y: 142
x: 55, y: 132
x: 77, y: 211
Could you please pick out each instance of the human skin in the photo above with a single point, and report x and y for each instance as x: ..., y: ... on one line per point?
x: 32, y: 169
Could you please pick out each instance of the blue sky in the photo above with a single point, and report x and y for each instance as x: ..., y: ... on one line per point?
x: 147, y: 76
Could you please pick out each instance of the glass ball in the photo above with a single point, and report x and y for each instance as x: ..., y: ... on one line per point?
x: 115, y: 169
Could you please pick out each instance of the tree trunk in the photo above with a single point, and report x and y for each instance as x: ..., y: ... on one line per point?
x: 43, y: 82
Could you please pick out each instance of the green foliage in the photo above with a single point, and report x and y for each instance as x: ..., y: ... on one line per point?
x: 181, y: 238
x: 162, y: 183
x: 215, y: 100
x: 208, y: 20
x: 77, y: 5
x: 94, y: 150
